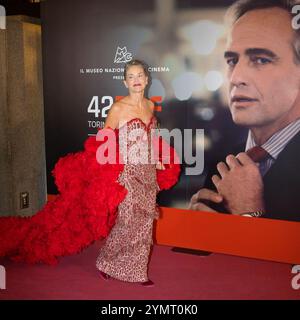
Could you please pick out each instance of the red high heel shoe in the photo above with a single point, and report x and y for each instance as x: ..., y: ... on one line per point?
x: 104, y: 276
x: 148, y: 283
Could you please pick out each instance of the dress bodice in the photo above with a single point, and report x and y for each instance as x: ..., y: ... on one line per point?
x: 135, y: 141
x: 139, y: 174
x: 137, y: 123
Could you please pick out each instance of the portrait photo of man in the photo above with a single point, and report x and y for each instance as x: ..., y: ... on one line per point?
x: 261, y: 177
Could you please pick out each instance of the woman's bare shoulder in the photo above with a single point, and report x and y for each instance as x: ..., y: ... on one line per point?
x: 113, y: 116
x: 151, y: 105
x: 124, y: 102
x: 116, y: 107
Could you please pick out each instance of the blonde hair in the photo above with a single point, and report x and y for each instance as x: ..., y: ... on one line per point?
x: 136, y: 62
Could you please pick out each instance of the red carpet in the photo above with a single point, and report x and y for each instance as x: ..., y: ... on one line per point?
x: 176, y: 276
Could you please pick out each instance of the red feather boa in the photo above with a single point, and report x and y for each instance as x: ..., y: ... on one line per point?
x: 84, y: 211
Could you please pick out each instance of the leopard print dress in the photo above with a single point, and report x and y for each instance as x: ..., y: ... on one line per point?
x: 125, y: 253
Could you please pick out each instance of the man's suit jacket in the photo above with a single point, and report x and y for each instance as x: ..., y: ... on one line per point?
x: 281, y: 183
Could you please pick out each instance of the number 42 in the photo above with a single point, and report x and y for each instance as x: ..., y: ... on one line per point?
x: 93, y: 107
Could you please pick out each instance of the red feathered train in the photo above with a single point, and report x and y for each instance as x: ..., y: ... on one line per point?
x: 84, y: 211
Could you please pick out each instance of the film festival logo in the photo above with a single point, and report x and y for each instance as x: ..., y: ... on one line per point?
x: 122, y: 55
x: 2, y: 18
x: 2, y: 278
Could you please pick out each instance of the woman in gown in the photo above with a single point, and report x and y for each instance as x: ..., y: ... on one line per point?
x: 92, y: 195
x: 125, y: 253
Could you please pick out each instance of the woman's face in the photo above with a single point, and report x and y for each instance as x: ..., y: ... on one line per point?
x: 136, y: 79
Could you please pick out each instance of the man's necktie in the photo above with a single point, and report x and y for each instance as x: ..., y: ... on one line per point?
x: 257, y: 154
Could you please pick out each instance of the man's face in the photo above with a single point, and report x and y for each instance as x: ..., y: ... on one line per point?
x: 264, y: 81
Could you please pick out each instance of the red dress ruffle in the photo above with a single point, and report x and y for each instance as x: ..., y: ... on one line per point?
x: 84, y: 211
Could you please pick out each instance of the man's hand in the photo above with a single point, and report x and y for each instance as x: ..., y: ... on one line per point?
x: 240, y: 184
x: 203, y: 195
x: 160, y: 166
